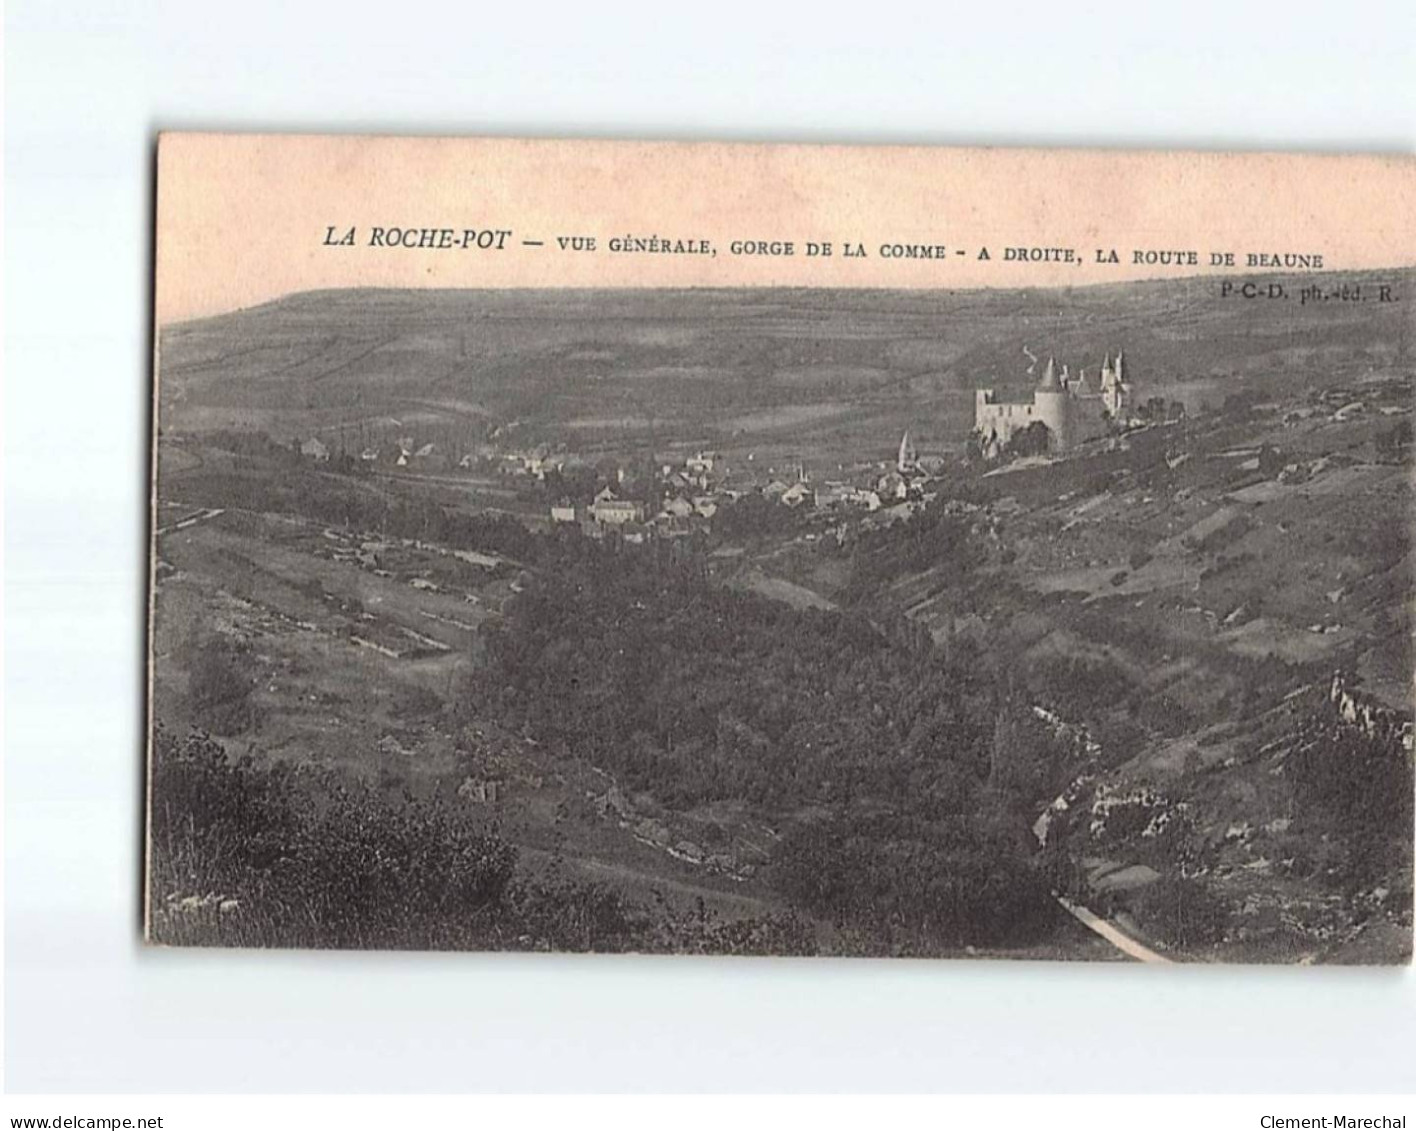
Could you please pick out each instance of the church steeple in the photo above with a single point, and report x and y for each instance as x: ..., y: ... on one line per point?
x: 908, y: 456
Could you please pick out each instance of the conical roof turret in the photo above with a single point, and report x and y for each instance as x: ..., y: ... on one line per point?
x: 1049, y: 375
x: 1108, y: 373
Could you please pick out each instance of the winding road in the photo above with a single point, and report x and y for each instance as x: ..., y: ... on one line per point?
x: 1111, y: 933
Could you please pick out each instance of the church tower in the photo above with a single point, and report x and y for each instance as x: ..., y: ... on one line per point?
x: 908, y: 457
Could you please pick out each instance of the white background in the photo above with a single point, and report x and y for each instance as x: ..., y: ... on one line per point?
x: 87, y: 85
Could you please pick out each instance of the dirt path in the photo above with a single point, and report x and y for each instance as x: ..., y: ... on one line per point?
x: 1111, y: 933
x: 186, y: 523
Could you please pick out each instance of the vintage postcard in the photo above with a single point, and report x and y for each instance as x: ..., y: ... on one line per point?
x: 782, y: 550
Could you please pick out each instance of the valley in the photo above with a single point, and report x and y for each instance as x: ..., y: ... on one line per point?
x: 638, y: 586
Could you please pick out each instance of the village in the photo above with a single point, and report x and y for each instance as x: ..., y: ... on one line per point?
x: 665, y: 496
x: 655, y: 495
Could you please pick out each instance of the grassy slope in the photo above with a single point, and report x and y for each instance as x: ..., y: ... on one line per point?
x: 841, y: 369
x: 1209, y: 643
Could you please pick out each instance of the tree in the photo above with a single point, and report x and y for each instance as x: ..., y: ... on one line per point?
x: 1034, y: 440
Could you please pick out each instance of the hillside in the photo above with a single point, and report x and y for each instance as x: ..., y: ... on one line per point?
x: 1222, y: 606
x: 804, y: 368
x: 1165, y: 675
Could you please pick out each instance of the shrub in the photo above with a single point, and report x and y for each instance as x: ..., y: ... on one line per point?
x: 414, y: 701
x: 1034, y: 440
x: 1183, y: 911
x: 243, y: 855
x: 306, y: 861
x: 916, y: 885
x: 1358, y: 787
x: 223, y: 676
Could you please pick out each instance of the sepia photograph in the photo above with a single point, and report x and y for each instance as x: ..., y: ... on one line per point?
x: 1058, y: 622
x: 854, y: 567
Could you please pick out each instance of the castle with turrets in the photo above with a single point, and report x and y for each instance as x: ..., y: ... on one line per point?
x: 1073, y: 409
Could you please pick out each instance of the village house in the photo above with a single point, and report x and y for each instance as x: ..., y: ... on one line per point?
x: 474, y: 454
x: 672, y: 526
x: 833, y: 494
x: 610, y: 510
x: 797, y: 494
x: 314, y: 449
x: 482, y: 791
x: 838, y: 494
x: 893, y: 485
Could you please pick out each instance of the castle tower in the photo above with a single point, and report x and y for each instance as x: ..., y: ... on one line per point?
x: 1050, y: 401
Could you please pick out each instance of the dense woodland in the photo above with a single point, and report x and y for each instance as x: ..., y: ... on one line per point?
x: 700, y: 693
x: 921, y: 779
x: 1357, y: 788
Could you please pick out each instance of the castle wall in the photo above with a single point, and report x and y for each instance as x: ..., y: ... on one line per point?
x: 1002, y: 420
